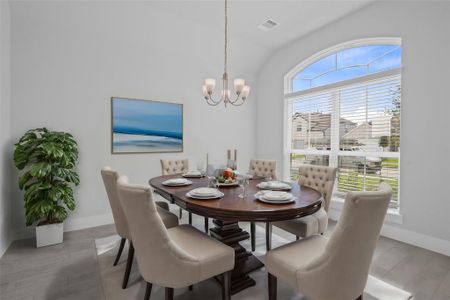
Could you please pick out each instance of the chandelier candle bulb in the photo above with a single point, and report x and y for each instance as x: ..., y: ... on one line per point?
x: 239, y: 85
x: 205, y: 91
x: 245, y: 91
x: 210, y: 84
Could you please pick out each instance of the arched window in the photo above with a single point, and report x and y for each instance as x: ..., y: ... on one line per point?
x: 343, y: 110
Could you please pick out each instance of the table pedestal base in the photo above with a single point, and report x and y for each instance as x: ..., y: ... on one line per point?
x: 229, y: 233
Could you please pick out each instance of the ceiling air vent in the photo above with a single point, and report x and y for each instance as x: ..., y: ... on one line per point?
x: 268, y: 25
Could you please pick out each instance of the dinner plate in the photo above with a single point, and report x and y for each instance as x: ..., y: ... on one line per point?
x: 186, y: 175
x: 277, y: 196
x: 177, y: 182
x: 204, y: 191
x: 260, y: 197
x: 235, y: 183
x: 219, y: 194
x: 282, y: 186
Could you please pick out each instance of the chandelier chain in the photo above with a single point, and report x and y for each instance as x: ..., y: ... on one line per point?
x: 226, y: 35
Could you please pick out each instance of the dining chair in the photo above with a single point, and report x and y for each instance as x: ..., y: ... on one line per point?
x: 343, y: 261
x: 169, y: 219
x: 261, y: 168
x: 172, y: 258
x: 322, y: 179
x: 172, y: 167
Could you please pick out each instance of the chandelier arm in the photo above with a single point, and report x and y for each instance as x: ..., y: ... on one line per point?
x: 212, y: 102
x: 237, y: 104
x: 236, y: 100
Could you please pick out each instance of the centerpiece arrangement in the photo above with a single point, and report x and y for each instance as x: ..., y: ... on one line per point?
x: 226, y: 177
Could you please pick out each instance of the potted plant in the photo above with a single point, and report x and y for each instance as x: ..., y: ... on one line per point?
x: 47, y: 161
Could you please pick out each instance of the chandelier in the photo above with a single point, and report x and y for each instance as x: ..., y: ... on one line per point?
x: 240, y: 88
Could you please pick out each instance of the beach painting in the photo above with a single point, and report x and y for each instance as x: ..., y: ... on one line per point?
x: 144, y: 126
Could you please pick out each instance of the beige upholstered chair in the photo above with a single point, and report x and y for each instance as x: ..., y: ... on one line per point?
x: 170, y: 220
x: 171, y: 167
x: 261, y: 168
x: 319, y: 178
x: 343, y: 261
x: 172, y: 258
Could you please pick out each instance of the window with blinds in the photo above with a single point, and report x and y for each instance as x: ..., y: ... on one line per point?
x: 352, y: 124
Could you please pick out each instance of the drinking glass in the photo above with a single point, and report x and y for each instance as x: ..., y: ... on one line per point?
x: 213, y: 182
x: 201, y: 167
x: 243, y: 182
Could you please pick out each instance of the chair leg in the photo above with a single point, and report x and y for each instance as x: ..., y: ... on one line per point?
x: 191, y: 287
x: 148, y: 291
x: 206, y: 225
x: 190, y: 218
x: 181, y: 214
x: 169, y: 293
x: 297, y: 237
x: 360, y: 298
x: 253, y: 235
x: 119, y: 253
x: 226, y: 286
x: 268, y: 236
x: 126, y: 276
x: 272, y: 281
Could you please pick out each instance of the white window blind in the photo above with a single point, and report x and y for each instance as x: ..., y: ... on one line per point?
x: 353, y: 127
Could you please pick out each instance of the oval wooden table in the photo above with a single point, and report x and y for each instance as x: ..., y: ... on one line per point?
x: 231, y: 209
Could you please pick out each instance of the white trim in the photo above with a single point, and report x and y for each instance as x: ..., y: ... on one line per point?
x: 333, y: 49
x: 70, y: 225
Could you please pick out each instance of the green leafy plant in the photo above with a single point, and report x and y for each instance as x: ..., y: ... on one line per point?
x: 47, y: 161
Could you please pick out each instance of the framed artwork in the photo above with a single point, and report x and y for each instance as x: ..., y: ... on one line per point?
x: 145, y: 126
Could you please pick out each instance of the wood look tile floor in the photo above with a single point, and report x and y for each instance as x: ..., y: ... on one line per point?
x: 70, y: 270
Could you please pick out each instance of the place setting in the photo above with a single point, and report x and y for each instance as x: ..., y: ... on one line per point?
x: 174, y: 182
x: 205, y: 193
x: 274, y: 185
x: 275, y: 197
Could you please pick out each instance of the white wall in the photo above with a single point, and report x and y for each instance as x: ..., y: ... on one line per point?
x: 69, y: 58
x: 5, y: 145
x: 425, y: 157
x: 5, y: 140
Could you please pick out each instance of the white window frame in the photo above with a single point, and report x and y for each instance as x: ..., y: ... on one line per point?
x: 290, y: 96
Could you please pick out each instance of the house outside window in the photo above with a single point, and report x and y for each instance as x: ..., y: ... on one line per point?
x: 347, y: 101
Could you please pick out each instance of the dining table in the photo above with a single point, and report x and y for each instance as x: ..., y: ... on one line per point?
x: 230, y: 209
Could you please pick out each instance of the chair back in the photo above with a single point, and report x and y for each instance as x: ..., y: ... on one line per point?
x: 110, y: 181
x: 173, y: 166
x: 160, y: 260
x: 263, y: 168
x: 349, y: 251
x: 320, y: 178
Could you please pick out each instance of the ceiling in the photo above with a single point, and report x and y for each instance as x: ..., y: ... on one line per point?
x: 296, y: 18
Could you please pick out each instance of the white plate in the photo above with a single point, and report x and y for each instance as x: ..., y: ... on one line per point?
x: 204, y: 191
x: 260, y: 197
x: 177, y: 182
x: 282, y: 186
x: 277, y: 196
x: 235, y: 183
x: 216, y: 196
x: 192, y: 175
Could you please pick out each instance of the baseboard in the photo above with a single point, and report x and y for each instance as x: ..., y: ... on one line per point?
x: 88, y: 222
x: 410, y: 237
x: 4, y: 245
x: 70, y: 225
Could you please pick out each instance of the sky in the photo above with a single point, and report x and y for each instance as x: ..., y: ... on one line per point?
x: 346, y: 64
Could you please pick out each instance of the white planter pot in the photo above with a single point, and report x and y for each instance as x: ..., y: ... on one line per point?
x: 50, y: 234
